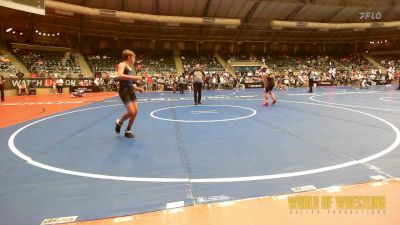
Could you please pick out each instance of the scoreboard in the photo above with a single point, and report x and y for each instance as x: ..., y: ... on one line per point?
x: 32, y: 6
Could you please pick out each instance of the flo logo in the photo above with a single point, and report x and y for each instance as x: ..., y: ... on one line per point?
x: 370, y: 15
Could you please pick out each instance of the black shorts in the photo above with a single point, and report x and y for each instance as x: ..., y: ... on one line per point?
x: 268, y: 88
x: 127, y: 95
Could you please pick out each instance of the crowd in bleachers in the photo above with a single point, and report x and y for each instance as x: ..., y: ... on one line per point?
x: 103, y: 61
x: 5, y: 66
x: 302, y: 61
x: 356, y: 62
x: 164, y: 82
x: 156, y: 61
x: 388, y: 61
x: 334, y: 77
x: 42, y: 63
x: 277, y: 61
x: 159, y: 70
x: 231, y: 57
x: 317, y: 62
x: 146, y: 61
x: 207, y: 60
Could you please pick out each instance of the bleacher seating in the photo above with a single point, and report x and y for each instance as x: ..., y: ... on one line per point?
x: 205, y: 59
x: 388, y: 60
x: 149, y: 61
x: 355, y: 62
x: 317, y: 62
x: 156, y: 61
x: 103, y: 61
x: 277, y: 61
x: 6, y: 68
x: 38, y: 61
x: 228, y: 56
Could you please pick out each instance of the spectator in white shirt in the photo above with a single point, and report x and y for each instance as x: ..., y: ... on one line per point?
x: 60, y: 84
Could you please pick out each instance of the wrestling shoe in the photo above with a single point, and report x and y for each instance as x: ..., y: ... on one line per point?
x: 117, y: 126
x: 129, y: 134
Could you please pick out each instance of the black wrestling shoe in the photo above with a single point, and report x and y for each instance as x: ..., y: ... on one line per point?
x: 199, y: 103
x: 117, y: 127
x: 129, y: 134
x: 195, y: 103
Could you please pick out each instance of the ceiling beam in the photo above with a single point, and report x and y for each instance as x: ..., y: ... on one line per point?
x: 328, y: 18
x: 251, y: 12
x: 295, y: 11
x: 81, y: 21
x: 380, y: 3
x: 207, y: 8
x: 157, y: 6
x: 282, y: 37
x: 157, y: 11
x: 247, y: 18
x: 388, y: 10
x: 205, y: 14
x: 122, y: 5
x: 30, y: 34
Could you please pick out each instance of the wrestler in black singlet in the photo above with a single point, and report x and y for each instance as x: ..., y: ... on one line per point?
x: 270, y: 84
x: 126, y: 90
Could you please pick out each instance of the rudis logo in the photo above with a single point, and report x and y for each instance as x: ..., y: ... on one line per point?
x: 370, y: 15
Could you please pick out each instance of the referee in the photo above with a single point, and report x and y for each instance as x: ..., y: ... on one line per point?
x: 197, y: 83
x: 310, y: 75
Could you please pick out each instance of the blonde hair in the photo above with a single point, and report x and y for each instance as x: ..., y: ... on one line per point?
x: 126, y: 53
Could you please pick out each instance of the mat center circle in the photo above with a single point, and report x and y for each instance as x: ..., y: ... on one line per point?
x: 203, y: 113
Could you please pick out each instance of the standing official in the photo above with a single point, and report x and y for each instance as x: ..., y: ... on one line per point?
x: 198, y: 75
x: 310, y: 75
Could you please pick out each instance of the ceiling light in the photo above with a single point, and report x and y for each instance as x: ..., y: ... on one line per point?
x: 9, y: 29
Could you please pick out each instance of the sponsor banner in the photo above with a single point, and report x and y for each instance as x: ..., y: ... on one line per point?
x: 329, y: 204
x: 254, y: 85
x: 12, y: 83
x: 325, y: 83
x: 87, y: 89
x: 59, y: 220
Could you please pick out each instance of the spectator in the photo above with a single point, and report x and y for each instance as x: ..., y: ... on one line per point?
x: 20, y: 74
x: 32, y: 88
x: 2, y: 81
x: 107, y: 81
x: 22, y: 88
x: 33, y: 75
x: 181, y: 84
x: 149, y: 83
x: 60, y: 84
x: 54, y: 86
